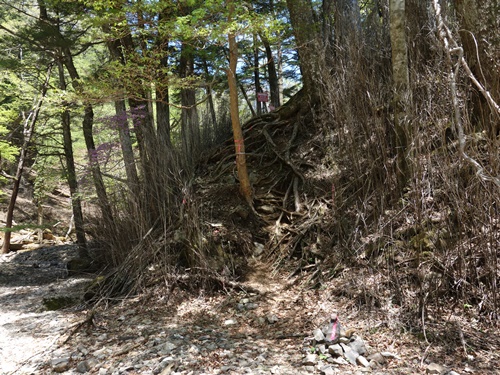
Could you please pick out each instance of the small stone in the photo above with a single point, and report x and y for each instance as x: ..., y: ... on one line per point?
x: 230, y: 322
x: 349, y: 354
x: 340, y: 361
x: 167, y: 347
x: 435, y: 368
x: 310, y: 360
x: 60, y: 364
x: 358, y: 345
x: 327, y: 370
x: 83, y: 367
x: 469, y: 369
x: 363, y: 361
x: 335, y: 350
x: 251, y: 306
x: 452, y: 373
x: 377, y: 358
x: 321, y: 348
x: 272, y: 318
x: 259, y: 249
x: 319, y: 336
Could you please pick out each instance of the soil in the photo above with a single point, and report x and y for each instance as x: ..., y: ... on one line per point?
x: 126, y: 337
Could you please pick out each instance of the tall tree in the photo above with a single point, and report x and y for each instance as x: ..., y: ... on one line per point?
x: 71, y: 177
x: 274, y: 86
x: 401, y: 86
x: 190, y: 125
x: 305, y: 28
x: 114, y: 47
x: 29, y: 127
x: 241, y: 165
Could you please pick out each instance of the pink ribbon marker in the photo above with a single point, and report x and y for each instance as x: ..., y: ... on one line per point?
x: 334, y: 331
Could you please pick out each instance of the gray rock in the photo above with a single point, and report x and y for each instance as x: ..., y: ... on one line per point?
x: 83, y: 367
x: 60, y: 364
x: 363, y: 361
x: 335, y: 350
x: 340, y: 361
x: 259, y: 249
x: 321, y: 348
x: 349, y: 354
x: 319, y: 336
x: 435, y: 368
x: 230, y: 322
x: 166, y: 348
x: 272, y: 318
x: 310, y: 360
x: 377, y: 358
x: 358, y: 345
x: 251, y: 306
x: 327, y: 370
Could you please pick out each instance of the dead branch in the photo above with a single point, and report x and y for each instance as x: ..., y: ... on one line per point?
x: 452, y: 47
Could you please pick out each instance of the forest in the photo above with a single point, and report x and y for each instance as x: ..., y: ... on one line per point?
x: 350, y: 146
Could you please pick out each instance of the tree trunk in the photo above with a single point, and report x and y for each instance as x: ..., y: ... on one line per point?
x: 256, y: 75
x: 211, y: 107
x: 126, y: 146
x: 163, y: 119
x: 29, y: 127
x: 274, y: 87
x: 241, y: 164
x: 87, y: 127
x: 123, y: 125
x: 419, y: 50
x: 245, y: 96
x: 308, y: 46
x: 76, y: 205
x: 347, y: 27
x: 190, y: 126
x: 401, y: 87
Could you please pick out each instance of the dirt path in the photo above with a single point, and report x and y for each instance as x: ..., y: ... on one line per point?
x: 28, y: 332
x: 264, y: 330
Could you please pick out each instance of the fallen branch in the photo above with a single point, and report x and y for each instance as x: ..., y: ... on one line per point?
x: 452, y: 47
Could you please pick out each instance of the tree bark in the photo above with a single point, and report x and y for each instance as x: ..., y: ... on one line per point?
x: 29, y: 127
x: 347, y: 27
x: 123, y: 125
x: 306, y: 37
x: 76, y: 205
x: 88, y: 135
x: 190, y: 125
x: 256, y: 75
x: 401, y: 87
x: 241, y: 165
x: 274, y: 87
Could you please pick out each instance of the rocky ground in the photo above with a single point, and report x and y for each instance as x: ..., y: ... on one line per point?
x: 272, y: 328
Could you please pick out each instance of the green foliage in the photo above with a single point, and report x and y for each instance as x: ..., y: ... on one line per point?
x: 7, y: 151
x: 9, y: 116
